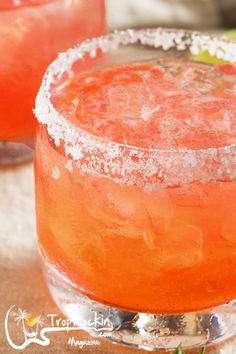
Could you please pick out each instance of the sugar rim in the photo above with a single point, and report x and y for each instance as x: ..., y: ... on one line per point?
x: 125, y: 163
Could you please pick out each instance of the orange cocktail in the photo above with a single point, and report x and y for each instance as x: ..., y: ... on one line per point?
x: 32, y: 33
x: 135, y: 180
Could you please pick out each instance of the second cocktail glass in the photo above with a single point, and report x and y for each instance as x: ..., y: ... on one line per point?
x: 135, y: 187
x: 32, y: 33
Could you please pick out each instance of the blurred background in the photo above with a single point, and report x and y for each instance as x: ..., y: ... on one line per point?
x: 196, y: 14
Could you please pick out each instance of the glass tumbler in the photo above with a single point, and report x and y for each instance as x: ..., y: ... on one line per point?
x: 135, y: 187
x: 32, y: 33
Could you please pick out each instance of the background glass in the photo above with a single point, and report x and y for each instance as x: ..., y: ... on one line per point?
x: 32, y: 33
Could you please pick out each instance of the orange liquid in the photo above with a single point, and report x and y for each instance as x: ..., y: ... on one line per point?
x: 171, y: 250
x: 30, y: 38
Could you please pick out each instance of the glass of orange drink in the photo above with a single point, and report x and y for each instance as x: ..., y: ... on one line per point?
x: 135, y: 187
x: 32, y: 32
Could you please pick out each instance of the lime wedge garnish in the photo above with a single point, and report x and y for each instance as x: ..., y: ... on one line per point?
x: 205, y: 57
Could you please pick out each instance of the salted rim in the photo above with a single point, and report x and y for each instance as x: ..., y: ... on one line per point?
x: 125, y: 163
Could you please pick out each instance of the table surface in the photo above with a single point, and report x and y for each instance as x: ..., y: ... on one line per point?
x: 21, y: 281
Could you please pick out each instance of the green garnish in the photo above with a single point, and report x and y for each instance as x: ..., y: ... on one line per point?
x: 161, y: 62
x: 179, y: 350
x: 202, y: 351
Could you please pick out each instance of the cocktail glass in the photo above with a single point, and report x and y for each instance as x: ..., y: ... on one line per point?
x: 32, y: 32
x: 135, y: 187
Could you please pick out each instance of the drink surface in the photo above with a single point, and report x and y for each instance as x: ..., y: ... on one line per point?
x: 176, y: 105
x: 168, y: 250
x: 32, y: 33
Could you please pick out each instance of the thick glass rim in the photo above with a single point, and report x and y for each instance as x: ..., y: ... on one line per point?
x: 76, y: 140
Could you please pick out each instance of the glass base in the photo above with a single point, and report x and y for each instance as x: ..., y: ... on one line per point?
x: 142, y: 330
x: 14, y: 153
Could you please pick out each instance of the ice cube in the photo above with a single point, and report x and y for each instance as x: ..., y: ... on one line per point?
x: 158, y: 204
x: 181, y: 246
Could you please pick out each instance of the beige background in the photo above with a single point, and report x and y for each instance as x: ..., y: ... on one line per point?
x: 200, y: 14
